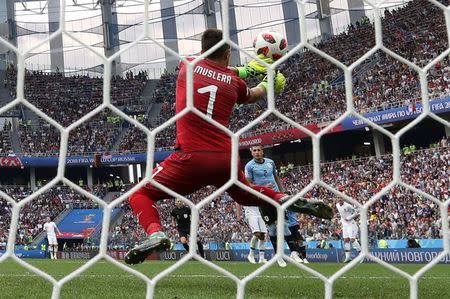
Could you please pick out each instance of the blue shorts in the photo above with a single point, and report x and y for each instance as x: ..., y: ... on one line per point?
x: 272, y: 229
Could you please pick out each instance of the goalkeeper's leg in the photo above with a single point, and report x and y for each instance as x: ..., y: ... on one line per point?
x: 142, y: 202
x: 148, y: 216
x: 312, y: 207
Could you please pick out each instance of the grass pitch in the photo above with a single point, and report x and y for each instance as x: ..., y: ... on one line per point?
x: 194, y: 280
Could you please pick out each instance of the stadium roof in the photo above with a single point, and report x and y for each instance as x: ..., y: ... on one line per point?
x: 83, y: 19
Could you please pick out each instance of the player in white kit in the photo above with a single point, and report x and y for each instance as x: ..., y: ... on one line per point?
x: 348, y: 214
x: 51, y: 229
x: 259, y: 230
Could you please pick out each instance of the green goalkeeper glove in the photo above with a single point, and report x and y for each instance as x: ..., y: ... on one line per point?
x: 279, y: 82
x: 254, y: 69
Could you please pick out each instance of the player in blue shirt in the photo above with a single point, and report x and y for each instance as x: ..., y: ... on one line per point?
x: 262, y: 171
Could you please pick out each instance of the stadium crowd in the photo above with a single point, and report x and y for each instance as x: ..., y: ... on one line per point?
x: 135, y: 140
x: 315, y: 88
x: 78, y: 95
x: 425, y: 169
x: 315, y: 92
x: 399, y: 214
x: 33, y: 214
x: 5, y: 143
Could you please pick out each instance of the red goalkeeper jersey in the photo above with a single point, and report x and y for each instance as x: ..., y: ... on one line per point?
x: 216, y: 90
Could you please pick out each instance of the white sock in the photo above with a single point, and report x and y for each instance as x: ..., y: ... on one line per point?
x: 262, y: 245
x: 253, y: 242
x: 261, y: 255
x: 347, y: 248
x: 356, y: 245
x: 262, y: 248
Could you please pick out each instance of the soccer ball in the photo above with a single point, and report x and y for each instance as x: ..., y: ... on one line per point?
x: 270, y: 44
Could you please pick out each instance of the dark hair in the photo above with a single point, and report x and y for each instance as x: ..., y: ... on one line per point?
x: 257, y: 145
x: 210, y: 38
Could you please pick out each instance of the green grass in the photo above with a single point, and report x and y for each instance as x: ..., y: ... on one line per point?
x: 194, y: 280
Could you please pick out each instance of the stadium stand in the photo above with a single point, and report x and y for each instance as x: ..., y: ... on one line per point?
x: 107, y: 155
x: 315, y: 93
x: 78, y: 95
x: 49, y: 204
x: 5, y: 142
x: 425, y: 169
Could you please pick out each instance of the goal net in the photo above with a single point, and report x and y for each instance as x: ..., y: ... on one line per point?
x: 271, y: 110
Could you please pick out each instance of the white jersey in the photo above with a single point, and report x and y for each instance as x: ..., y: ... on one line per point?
x: 50, y: 227
x: 347, y: 213
x: 251, y: 211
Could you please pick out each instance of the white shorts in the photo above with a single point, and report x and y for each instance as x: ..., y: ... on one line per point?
x: 256, y: 224
x: 350, y: 231
x: 52, y: 240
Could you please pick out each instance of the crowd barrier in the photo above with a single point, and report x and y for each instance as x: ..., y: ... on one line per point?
x: 334, y: 255
x: 394, y: 244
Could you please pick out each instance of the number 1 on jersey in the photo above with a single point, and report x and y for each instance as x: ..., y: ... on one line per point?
x: 212, y: 89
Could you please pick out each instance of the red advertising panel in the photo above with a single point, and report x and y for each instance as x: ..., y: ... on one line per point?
x: 10, y: 161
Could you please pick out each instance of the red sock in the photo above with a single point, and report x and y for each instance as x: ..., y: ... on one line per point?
x: 269, y: 192
x: 146, y: 211
x: 246, y: 199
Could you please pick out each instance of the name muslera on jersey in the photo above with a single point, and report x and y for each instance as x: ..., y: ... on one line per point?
x: 212, y: 74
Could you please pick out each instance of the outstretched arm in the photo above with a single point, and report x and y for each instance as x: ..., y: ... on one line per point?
x: 259, y: 92
x: 253, y: 69
x: 256, y: 70
x: 256, y: 93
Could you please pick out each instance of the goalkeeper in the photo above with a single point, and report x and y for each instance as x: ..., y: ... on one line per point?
x: 203, y: 151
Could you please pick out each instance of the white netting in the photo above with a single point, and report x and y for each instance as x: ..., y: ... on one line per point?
x: 241, y: 283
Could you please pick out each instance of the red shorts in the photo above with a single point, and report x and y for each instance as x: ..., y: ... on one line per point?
x: 185, y: 173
